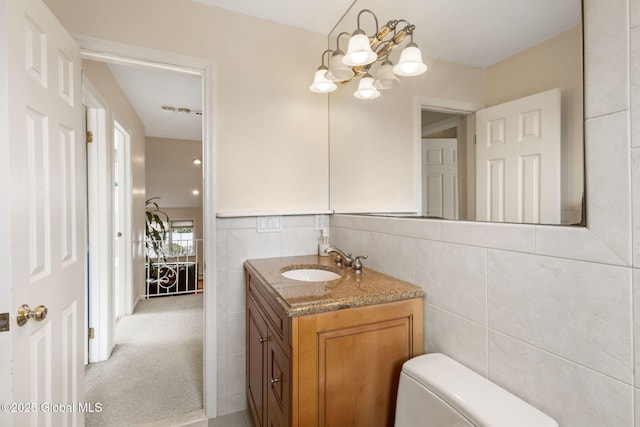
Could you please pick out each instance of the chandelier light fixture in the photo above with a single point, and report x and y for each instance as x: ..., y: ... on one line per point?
x: 363, y: 52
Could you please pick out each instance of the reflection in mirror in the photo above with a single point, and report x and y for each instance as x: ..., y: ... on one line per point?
x: 491, y: 132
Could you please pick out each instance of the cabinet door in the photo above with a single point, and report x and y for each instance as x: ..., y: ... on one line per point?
x: 257, y: 338
x: 278, y: 394
x: 359, y: 370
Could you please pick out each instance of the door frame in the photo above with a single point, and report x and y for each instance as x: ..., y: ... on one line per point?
x: 120, y: 53
x: 441, y: 105
x: 124, y: 281
x: 99, y: 304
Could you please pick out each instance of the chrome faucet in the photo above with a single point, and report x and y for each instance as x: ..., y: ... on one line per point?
x: 344, y: 258
x: 341, y: 257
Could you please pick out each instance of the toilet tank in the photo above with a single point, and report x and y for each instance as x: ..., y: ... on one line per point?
x: 437, y: 391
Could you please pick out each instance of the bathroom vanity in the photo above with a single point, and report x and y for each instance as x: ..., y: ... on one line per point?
x: 327, y: 353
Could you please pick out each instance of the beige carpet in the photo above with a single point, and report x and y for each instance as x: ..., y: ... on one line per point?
x: 155, y: 370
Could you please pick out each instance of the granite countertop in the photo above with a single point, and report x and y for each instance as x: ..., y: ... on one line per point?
x: 298, y: 298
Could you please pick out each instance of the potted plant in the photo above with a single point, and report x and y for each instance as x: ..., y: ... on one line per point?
x: 155, y: 231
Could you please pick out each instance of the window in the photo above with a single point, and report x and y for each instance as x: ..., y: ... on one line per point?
x: 180, y: 237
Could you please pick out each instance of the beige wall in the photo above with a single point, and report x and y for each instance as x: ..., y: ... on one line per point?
x: 556, y: 63
x: 373, y: 143
x: 119, y: 108
x: 270, y: 130
x: 170, y: 172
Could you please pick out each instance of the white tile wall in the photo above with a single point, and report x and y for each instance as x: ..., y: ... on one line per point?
x: 606, y: 52
x: 237, y: 241
x: 462, y: 291
x: 608, y: 181
x: 574, y: 309
x: 573, y: 395
x: 449, y: 333
x: 555, y: 331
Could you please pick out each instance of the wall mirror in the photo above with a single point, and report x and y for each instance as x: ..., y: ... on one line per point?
x: 492, y: 131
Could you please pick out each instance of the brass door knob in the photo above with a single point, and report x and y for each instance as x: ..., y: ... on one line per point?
x: 25, y: 313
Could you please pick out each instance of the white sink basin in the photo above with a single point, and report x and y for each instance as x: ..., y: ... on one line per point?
x: 310, y: 274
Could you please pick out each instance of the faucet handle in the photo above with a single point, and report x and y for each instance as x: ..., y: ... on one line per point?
x: 357, y: 263
x: 337, y: 259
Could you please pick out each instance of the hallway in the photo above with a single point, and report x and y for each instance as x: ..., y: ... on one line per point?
x: 155, y: 371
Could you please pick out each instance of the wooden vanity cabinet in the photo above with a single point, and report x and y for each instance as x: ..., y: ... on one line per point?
x: 268, y: 368
x: 333, y: 368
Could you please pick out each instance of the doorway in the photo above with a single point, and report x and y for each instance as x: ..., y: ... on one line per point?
x: 133, y: 128
x: 441, y: 134
x: 445, y: 149
x: 123, y: 55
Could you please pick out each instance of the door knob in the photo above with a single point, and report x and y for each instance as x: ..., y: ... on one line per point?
x: 25, y: 313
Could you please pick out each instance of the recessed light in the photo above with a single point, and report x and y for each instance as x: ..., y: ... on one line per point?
x: 197, y: 161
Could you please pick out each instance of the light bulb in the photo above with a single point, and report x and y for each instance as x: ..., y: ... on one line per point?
x: 386, y: 79
x: 359, y: 52
x: 338, y: 70
x: 366, y: 89
x: 320, y: 83
x: 410, y: 63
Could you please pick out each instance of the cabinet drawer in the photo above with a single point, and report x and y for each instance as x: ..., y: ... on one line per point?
x: 278, y: 322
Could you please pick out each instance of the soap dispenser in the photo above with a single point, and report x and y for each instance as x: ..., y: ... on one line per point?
x: 323, y: 242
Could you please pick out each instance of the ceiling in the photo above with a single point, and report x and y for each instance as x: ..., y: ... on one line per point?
x: 148, y: 89
x: 470, y: 32
x: 318, y: 16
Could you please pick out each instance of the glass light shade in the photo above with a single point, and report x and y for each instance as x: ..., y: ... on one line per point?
x: 359, y: 52
x: 386, y: 79
x: 338, y: 70
x: 366, y: 89
x: 410, y: 63
x: 320, y: 83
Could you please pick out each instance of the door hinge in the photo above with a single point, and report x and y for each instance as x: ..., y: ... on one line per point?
x: 91, y: 333
x: 89, y: 136
x: 4, y: 322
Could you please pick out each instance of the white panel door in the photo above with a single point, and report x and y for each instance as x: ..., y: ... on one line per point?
x: 518, y: 160
x: 46, y: 198
x: 440, y: 177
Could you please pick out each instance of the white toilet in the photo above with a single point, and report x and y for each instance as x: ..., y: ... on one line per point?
x: 436, y: 391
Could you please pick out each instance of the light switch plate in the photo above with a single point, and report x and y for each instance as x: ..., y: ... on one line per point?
x: 269, y: 224
x: 4, y: 322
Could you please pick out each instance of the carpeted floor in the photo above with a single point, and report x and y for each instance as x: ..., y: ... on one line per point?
x: 155, y: 370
